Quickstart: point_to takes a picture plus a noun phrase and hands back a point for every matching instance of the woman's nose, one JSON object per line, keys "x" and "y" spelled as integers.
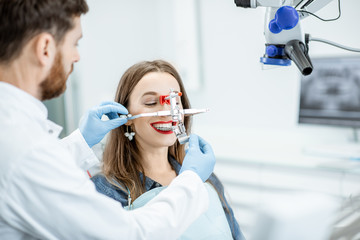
{"x": 165, "y": 106}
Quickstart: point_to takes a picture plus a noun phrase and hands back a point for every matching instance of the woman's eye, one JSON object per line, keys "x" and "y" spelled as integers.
{"x": 150, "y": 103}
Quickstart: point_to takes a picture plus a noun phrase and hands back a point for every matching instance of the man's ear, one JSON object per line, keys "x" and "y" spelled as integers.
{"x": 45, "y": 49}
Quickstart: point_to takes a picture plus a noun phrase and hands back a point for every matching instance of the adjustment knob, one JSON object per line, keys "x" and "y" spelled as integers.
{"x": 286, "y": 18}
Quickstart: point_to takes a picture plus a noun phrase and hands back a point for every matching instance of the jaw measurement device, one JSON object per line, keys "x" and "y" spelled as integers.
{"x": 176, "y": 114}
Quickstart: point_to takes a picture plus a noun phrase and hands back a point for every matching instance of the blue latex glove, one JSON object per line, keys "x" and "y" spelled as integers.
{"x": 199, "y": 158}
{"x": 94, "y": 129}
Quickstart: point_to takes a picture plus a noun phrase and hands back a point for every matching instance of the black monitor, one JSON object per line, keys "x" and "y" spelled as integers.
{"x": 331, "y": 94}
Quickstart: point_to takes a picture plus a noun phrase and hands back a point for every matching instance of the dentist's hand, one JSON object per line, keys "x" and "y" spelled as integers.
{"x": 94, "y": 129}
{"x": 199, "y": 158}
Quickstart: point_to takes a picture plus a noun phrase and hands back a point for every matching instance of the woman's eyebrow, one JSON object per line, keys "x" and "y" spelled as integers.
{"x": 149, "y": 93}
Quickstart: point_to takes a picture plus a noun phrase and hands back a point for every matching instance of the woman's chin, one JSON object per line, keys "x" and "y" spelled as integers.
{"x": 165, "y": 141}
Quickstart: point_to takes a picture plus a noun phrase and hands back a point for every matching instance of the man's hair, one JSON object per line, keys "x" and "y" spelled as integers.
{"x": 21, "y": 20}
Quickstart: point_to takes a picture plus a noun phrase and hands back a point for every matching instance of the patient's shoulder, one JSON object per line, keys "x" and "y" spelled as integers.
{"x": 217, "y": 183}
{"x": 100, "y": 180}
{"x": 105, "y": 187}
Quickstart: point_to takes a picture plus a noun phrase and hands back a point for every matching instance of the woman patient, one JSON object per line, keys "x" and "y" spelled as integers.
{"x": 144, "y": 156}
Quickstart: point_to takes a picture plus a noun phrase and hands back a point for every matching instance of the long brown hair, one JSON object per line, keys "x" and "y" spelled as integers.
{"x": 121, "y": 159}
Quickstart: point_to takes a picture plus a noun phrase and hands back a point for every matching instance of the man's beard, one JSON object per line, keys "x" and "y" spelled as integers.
{"x": 55, "y": 83}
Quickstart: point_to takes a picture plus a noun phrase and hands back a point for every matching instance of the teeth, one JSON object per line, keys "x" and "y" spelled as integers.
{"x": 163, "y": 126}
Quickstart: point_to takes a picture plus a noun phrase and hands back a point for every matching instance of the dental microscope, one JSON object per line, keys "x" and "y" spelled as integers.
{"x": 285, "y": 41}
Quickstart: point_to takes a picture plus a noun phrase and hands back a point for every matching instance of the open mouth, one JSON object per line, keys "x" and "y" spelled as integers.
{"x": 163, "y": 127}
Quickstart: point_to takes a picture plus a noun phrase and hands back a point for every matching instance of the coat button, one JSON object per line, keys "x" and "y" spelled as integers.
{"x": 51, "y": 131}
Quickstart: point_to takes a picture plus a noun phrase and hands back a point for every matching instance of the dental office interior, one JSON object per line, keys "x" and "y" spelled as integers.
{"x": 285, "y": 178}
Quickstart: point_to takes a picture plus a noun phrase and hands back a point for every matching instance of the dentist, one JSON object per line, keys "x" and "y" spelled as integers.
{"x": 44, "y": 191}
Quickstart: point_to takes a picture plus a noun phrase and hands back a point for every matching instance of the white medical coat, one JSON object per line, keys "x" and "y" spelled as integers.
{"x": 44, "y": 193}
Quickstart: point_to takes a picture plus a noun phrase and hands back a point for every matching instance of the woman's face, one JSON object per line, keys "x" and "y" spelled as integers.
{"x": 152, "y": 131}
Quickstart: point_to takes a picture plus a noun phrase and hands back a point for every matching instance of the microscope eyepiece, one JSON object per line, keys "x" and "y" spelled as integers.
{"x": 243, "y": 3}
{"x": 298, "y": 53}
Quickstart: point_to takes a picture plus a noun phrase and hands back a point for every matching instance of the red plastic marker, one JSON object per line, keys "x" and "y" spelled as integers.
{"x": 163, "y": 100}
{"x": 167, "y": 101}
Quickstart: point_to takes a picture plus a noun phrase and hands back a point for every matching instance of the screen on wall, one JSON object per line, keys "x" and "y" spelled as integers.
{"x": 331, "y": 94}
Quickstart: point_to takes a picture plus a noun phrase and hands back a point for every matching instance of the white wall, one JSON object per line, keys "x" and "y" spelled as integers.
{"x": 260, "y": 107}
{"x": 257, "y": 106}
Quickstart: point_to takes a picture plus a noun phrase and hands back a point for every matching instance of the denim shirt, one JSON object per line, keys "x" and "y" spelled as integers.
{"x": 104, "y": 187}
